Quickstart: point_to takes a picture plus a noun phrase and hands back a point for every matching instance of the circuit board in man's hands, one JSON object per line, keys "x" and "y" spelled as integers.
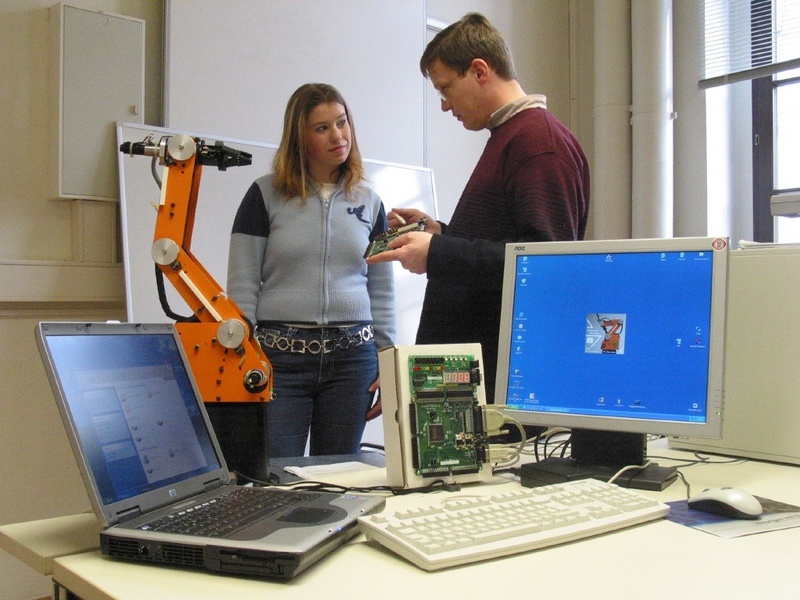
{"x": 381, "y": 242}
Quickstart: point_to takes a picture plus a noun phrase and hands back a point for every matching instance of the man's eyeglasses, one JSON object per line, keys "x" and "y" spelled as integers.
{"x": 443, "y": 90}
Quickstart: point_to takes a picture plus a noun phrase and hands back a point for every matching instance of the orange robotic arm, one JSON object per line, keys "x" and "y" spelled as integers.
{"x": 226, "y": 358}
{"x": 612, "y": 329}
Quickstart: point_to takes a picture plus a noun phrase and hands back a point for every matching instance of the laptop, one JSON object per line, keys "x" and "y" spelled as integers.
{"x": 150, "y": 460}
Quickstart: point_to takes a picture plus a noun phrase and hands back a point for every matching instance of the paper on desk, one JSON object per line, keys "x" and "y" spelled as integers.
{"x": 349, "y": 473}
{"x": 776, "y": 516}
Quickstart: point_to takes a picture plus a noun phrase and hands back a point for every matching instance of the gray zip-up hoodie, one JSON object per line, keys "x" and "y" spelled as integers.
{"x": 296, "y": 262}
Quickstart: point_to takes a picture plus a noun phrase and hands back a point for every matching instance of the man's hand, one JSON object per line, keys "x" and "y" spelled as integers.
{"x": 397, "y": 217}
{"x": 410, "y": 250}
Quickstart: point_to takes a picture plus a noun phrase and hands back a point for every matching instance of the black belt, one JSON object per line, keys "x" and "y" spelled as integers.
{"x": 350, "y": 339}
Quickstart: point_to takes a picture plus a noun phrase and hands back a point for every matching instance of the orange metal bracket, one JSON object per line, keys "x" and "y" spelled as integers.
{"x": 226, "y": 358}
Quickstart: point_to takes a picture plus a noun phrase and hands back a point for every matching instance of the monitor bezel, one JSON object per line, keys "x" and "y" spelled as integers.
{"x": 712, "y": 427}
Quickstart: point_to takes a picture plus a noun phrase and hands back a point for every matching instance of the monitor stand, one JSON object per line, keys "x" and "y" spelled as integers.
{"x": 600, "y": 455}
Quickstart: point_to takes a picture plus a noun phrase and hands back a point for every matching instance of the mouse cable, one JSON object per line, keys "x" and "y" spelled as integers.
{"x": 686, "y": 483}
{"x": 616, "y": 475}
{"x": 644, "y": 466}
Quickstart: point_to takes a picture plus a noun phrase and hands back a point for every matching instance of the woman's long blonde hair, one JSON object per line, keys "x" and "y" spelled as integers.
{"x": 290, "y": 171}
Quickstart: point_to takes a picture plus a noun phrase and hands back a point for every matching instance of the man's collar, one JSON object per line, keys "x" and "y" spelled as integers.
{"x": 504, "y": 113}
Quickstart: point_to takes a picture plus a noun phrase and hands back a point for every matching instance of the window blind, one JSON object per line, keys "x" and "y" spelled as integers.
{"x": 746, "y": 39}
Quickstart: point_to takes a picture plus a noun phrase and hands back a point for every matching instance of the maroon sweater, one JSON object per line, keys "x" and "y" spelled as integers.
{"x": 531, "y": 184}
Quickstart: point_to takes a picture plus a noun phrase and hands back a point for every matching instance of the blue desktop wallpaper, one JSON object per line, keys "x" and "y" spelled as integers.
{"x": 623, "y": 334}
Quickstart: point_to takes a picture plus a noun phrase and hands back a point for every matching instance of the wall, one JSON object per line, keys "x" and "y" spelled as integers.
{"x": 56, "y": 263}
{"x": 46, "y": 242}
{"x": 27, "y": 209}
{"x": 255, "y": 59}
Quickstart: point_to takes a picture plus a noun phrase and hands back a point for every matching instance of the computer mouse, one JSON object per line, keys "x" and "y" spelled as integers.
{"x": 727, "y": 502}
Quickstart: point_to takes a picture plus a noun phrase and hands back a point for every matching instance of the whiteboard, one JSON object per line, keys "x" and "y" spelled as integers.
{"x": 218, "y": 200}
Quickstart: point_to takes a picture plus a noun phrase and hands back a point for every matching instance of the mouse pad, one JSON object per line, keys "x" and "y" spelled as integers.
{"x": 777, "y": 515}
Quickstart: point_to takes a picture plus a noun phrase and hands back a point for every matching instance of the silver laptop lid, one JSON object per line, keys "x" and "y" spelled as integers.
{"x": 133, "y": 415}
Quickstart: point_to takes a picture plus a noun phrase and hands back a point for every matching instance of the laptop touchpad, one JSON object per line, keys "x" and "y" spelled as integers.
{"x": 306, "y": 515}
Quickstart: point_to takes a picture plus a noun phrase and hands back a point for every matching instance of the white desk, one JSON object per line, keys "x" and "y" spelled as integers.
{"x": 39, "y": 543}
{"x": 656, "y": 560}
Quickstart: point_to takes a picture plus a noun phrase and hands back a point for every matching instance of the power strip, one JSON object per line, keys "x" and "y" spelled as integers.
{"x": 433, "y": 414}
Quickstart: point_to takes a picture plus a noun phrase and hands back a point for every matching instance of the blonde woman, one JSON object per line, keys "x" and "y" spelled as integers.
{"x": 296, "y": 269}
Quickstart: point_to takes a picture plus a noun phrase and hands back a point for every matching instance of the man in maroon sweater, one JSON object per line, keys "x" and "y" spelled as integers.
{"x": 530, "y": 184}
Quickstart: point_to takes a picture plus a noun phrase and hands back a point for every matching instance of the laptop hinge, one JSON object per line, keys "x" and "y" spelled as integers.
{"x": 212, "y": 484}
{"x": 129, "y": 514}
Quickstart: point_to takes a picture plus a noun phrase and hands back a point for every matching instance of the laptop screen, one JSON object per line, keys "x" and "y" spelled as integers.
{"x": 134, "y": 410}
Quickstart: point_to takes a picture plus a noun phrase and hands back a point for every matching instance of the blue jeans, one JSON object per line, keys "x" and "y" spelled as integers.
{"x": 323, "y": 393}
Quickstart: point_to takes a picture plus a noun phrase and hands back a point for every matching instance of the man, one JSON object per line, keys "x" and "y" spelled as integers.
{"x": 530, "y": 184}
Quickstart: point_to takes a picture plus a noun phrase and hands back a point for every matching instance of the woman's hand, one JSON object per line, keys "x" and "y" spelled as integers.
{"x": 375, "y": 410}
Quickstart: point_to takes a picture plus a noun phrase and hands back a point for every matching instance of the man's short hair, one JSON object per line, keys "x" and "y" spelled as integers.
{"x": 457, "y": 45}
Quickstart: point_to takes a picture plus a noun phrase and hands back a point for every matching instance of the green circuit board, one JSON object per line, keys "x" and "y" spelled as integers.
{"x": 381, "y": 242}
{"x": 445, "y": 416}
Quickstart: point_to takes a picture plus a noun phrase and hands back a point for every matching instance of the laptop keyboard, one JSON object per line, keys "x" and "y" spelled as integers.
{"x": 229, "y": 513}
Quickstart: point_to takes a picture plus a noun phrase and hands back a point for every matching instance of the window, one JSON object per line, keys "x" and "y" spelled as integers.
{"x": 759, "y": 40}
{"x": 786, "y": 148}
{"x": 786, "y": 103}
{"x": 776, "y": 149}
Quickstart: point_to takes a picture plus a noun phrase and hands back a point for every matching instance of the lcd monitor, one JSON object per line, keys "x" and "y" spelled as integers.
{"x": 613, "y": 340}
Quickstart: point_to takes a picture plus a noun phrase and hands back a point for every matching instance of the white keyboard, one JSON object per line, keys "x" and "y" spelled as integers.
{"x": 465, "y": 528}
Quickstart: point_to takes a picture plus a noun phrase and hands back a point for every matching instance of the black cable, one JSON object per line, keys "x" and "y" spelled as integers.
{"x": 565, "y": 445}
{"x": 438, "y": 485}
{"x": 513, "y": 470}
{"x": 700, "y": 460}
{"x": 162, "y": 298}
{"x": 707, "y": 460}
{"x": 273, "y": 479}
{"x": 372, "y": 446}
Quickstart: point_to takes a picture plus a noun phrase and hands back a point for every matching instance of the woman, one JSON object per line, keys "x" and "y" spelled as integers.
{"x": 296, "y": 269}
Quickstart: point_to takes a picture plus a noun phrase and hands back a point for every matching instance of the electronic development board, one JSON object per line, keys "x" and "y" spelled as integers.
{"x": 381, "y": 242}
{"x": 433, "y": 421}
